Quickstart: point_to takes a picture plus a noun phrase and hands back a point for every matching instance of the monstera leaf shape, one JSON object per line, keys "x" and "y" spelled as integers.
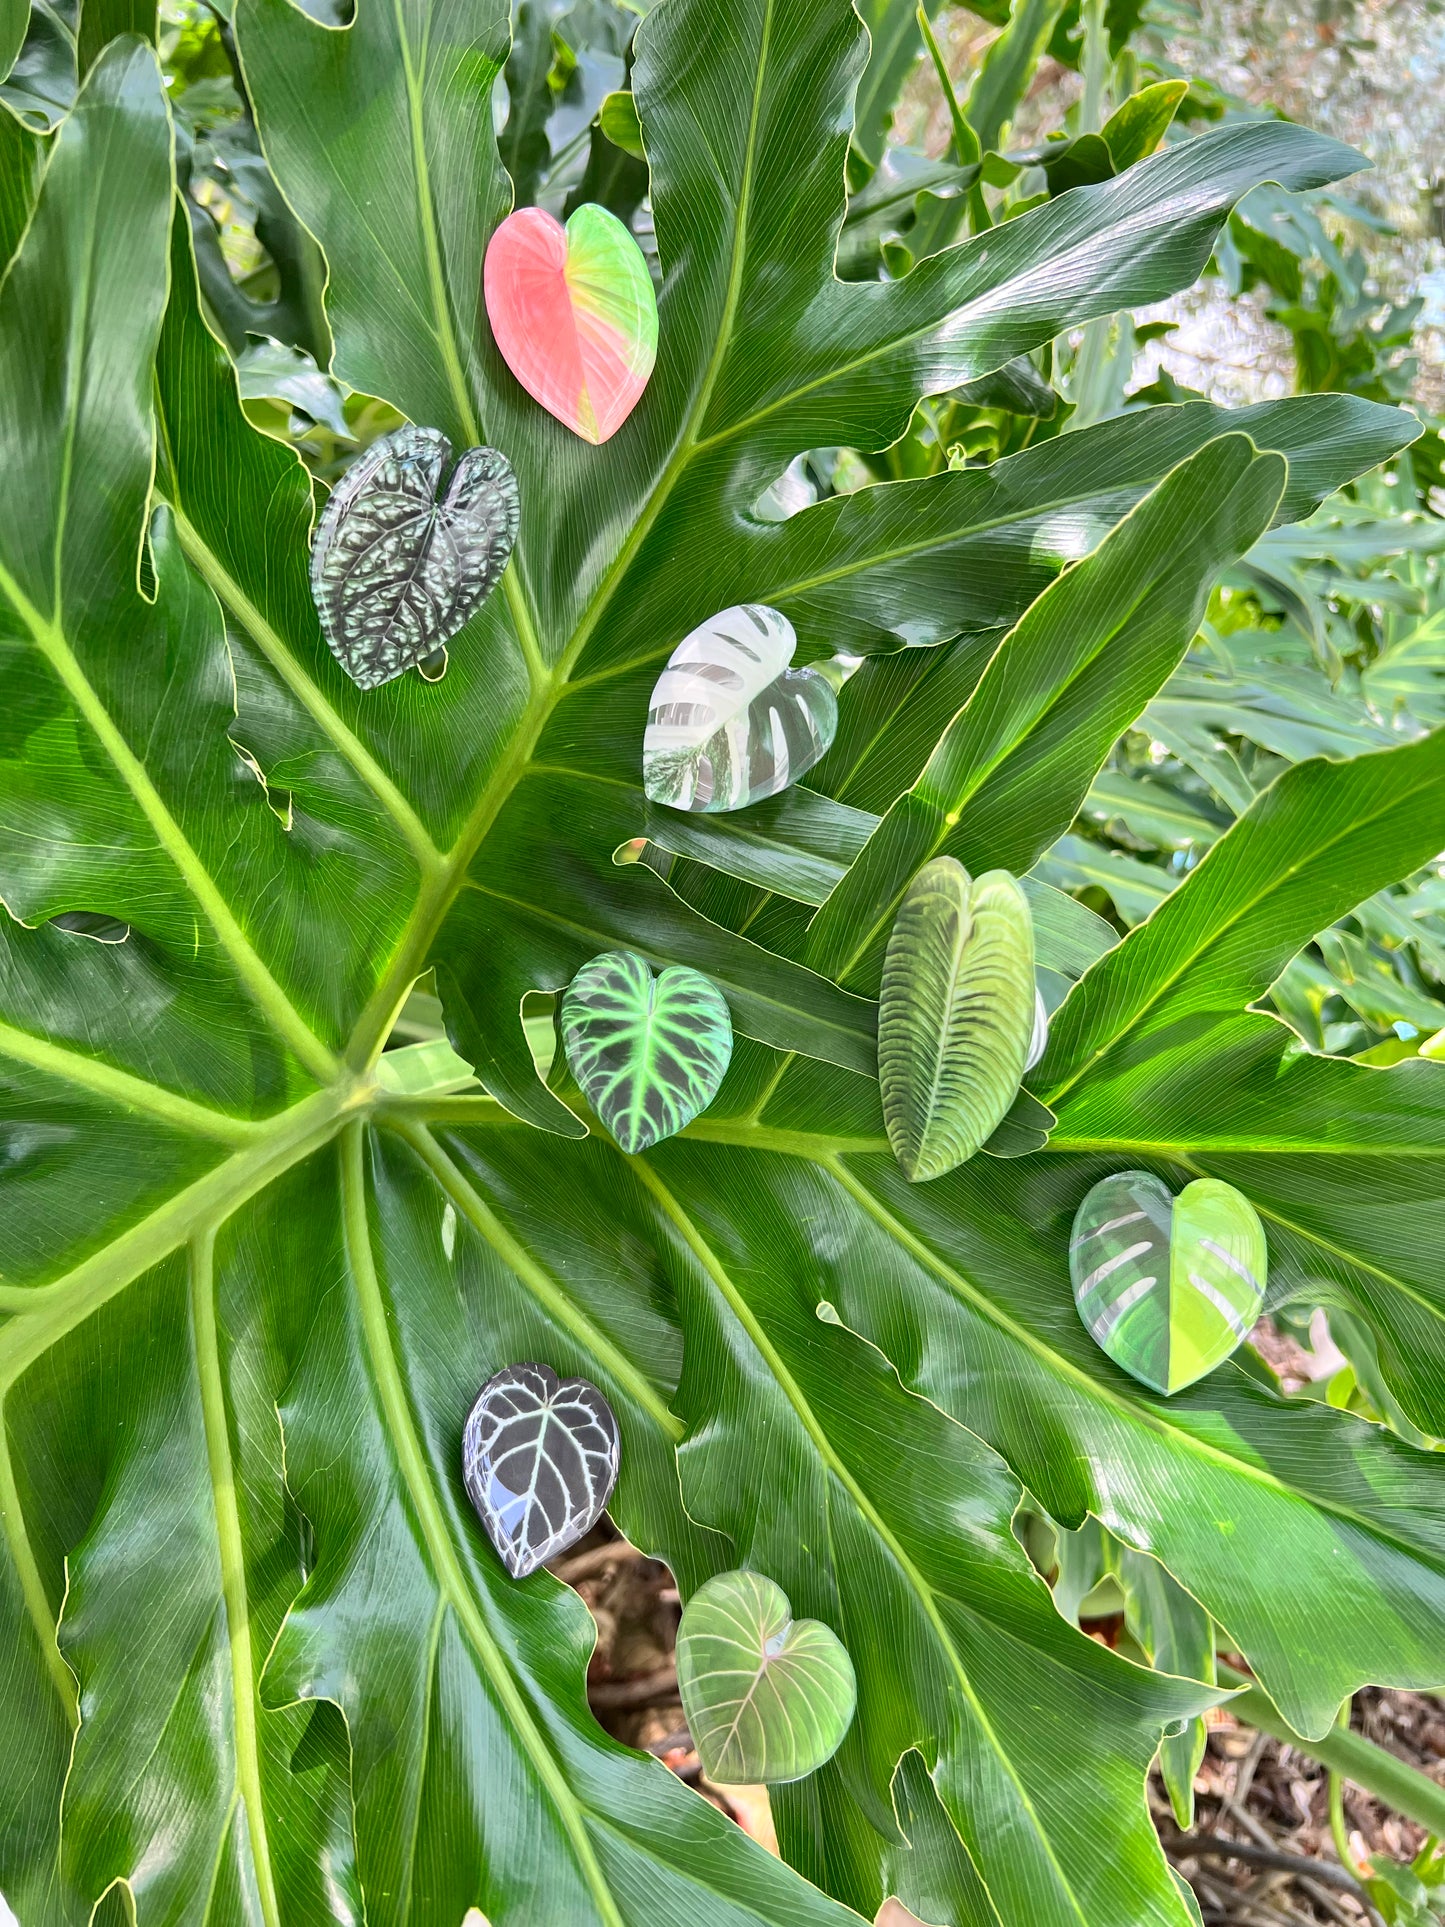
{"x": 649, "y": 1052}
{"x": 395, "y": 571}
{"x": 767, "y": 1696}
{"x": 730, "y": 722}
{"x": 1168, "y": 1287}
{"x": 573, "y": 312}
{"x": 539, "y": 1459}
{"x": 958, "y": 1015}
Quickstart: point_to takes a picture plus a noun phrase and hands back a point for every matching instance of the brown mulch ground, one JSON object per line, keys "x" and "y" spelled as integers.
{"x": 1250, "y": 1789}
{"x": 1267, "y": 1795}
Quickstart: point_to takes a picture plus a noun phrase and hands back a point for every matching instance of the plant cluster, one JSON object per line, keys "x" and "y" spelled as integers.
{"x": 294, "y": 1152}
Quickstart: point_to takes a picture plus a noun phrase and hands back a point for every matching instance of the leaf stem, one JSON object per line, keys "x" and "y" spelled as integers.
{"x": 965, "y": 140}
{"x": 45, "y": 1313}
{"x": 1392, "y": 1781}
{"x": 1339, "y": 1827}
{"x": 231, "y": 1550}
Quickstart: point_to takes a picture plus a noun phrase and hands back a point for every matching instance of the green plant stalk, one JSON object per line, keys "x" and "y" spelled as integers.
{"x": 1395, "y": 1782}
{"x": 1339, "y": 1827}
{"x": 965, "y": 141}
{"x": 1093, "y": 354}
{"x": 1095, "y": 67}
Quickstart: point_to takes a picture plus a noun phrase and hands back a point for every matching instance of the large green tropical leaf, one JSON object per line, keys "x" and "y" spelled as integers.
{"x": 257, "y": 1660}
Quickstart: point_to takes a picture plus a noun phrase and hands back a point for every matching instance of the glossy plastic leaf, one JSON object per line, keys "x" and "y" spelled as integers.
{"x": 539, "y": 1458}
{"x": 730, "y": 721}
{"x": 957, "y": 1014}
{"x": 1167, "y": 1286}
{"x": 767, "y": 1697}
{"x": 408, "y": 548}
{"x": 573, "y": 312}
{"x": 649, "y": 1052}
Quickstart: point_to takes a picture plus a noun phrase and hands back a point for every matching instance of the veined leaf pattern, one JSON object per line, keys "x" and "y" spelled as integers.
{"x": 398, "y": 569}
{"x": 539, "y": 1457}
{"x": 250, "y": 1283}
{"x": 958, "y": 1016}
{"x": 767, "y": 1696}
{"x": 649, "y": 1052}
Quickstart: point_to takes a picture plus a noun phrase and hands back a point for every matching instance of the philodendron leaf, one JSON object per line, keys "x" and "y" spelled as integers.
{"x": 649, "y": 1052}
{"x": 258, "y": 1660}
{"x": 731, "y": 722}
{"x": 1168, "y": 1287}
{"x": 398, "y": 566}
{"x": 767, "y": 1696}
{"x": 958, "y": 1014}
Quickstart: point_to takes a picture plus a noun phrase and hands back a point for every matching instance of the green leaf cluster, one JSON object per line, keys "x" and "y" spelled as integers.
{"x": 257, "y": 1660}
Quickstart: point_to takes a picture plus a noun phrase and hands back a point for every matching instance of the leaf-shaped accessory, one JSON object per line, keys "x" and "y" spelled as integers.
{"x": 957, "y": 1015}
{"x": 395, "y": 571}
{"x": 539, "y": 1460}
{"x": 730, "y": 722}
{"x": 1168, "y": 1287}
{"x": 649, "y": 1052}
{"x": 767, "y": 1696}
{"x": 574, "y": 314}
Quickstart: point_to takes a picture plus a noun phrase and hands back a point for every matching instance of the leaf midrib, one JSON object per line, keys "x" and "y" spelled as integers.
{"x": 823, "y": 1445}
{"x": 1095, "y": 1387}
{"x": 420, "y": 1486}
{"x": 230, "y": 1549}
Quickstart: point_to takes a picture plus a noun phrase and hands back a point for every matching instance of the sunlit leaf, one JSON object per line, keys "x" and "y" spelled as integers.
{"x": 1168, "y": 1287}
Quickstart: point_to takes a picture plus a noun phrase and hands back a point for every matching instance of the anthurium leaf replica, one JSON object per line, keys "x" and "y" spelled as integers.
{"x": 539, "y": 1458}
{"x": 731, "y": 722}
{"x": 649, "y": 1052}
{"x": 260, "y": 1658}
{"x": 958, "y": 1015}
{"x": 397, "y": 572}
{"x": 767, "y": 1696}
{"x": 573, "y": 312}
